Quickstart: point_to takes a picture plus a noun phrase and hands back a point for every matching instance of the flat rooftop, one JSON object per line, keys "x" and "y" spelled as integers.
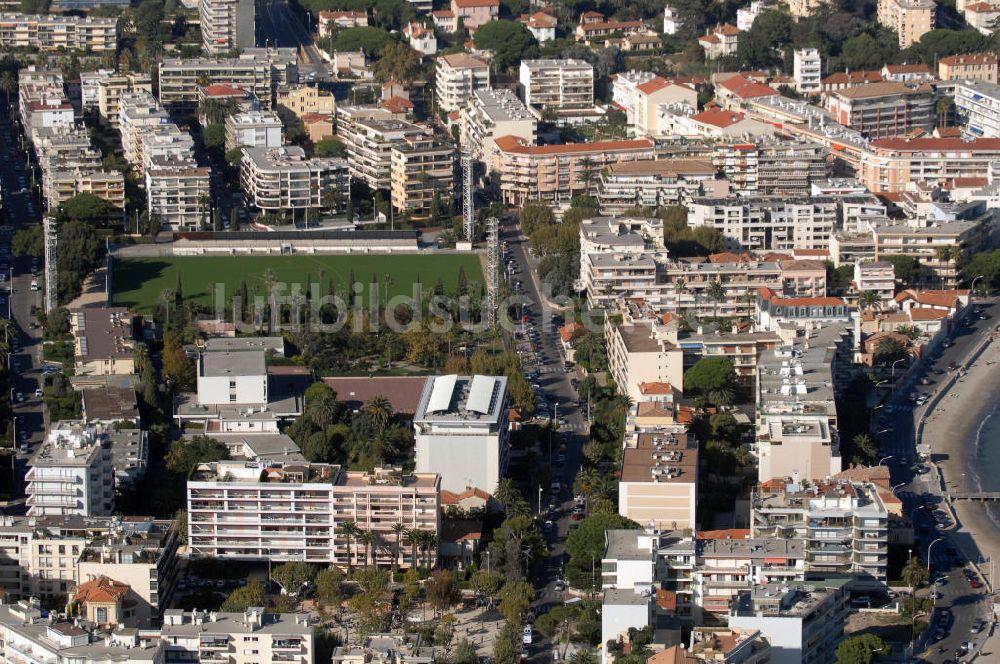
{"x": 763, "y": 547}
{"x": 216, "y": 344}
{"x": 501, "y": 105}
{"x": 235, "y": 363}
{"x": 452, "y": 399}
{"x": 667, "y": 456}
{"x": 103, "y": 333}
{"x": 639, "y": 338}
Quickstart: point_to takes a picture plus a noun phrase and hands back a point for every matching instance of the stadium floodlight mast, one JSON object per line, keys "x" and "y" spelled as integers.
{"x": 51, "y": 242}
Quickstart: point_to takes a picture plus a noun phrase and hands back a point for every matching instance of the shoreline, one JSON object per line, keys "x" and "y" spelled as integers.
{"x": 953, "y": 429}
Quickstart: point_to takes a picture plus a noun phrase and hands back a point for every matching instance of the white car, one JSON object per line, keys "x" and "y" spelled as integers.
{"x": 34, "y": 285}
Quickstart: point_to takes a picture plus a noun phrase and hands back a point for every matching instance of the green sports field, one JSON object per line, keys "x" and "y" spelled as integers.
{"x": 138, "y": 283}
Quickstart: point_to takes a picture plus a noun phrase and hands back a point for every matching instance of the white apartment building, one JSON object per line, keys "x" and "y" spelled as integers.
{"x": 295, "y": 511}
{"x": 72, "y": 473}
{"x": 659, "y": 478}
{"x": 422, "y": 168}
{"x": 803, "y": 622}
{"x": 178, "y": 191}
{"x": 745, "y": 16}
{"x": 89, "y": 85}
{"x": 844, "y": 525}
{"x": 253, "y": 129}
{"x": 910, "y": 19}
{"x": 808, "y": 71}
{"x": 258, "y": 71}
{"x": 166, "y": 141}
{"x": 38, "y": 555}
{"x": 977, "y": 105}
{"x": 652, "y": 184}
{"x": 644, "y": 97}
{"x": 138, "y": 113}
{"x": 495, "y": 113}
{"x": 369, "y": 148}
{"x": 557, "y": 84}
{"x": 461, "y": 431}
{"x": 238, "y": 377}
{"x": 457, "y": 76}
{"x": 227, "y": 25}
{"x": 637, "y": 354}
{"x": 54, "y": 32}
{"x": 876, "y": 276}
{"x": 282, "y": 178}
{"x": 250, "y": 637}
{"x": 768, "y": 223}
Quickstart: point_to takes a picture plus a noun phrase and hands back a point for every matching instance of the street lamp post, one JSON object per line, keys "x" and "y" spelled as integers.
{"x": 884, "y": 459}
{"x": 929, "y": 547}
{"x": 893, "y": 370}
{"x": 893, "y": 489}
{"x": 972, "y": 287}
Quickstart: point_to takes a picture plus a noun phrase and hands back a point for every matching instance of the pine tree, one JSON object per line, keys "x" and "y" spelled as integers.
{"x": 178, "y": 291}
{"x": 436, "y": 212}
{"x": 234, "y": 220}
{"x": 349, "y": 210}
{"x": 216, "y": 220}
{"x": 244, "y": 299}
{"x": 463, "y": 283}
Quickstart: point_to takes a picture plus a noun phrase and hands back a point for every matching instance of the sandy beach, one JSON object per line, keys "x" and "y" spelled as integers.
{"x": 950, "y": 429}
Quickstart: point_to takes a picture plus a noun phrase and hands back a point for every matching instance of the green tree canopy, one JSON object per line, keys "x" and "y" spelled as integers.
{"x": 29, "y": 241}
{"x": 585, "y": 545}
{"x": 90, "y": 209}
{"x": 708, "y": 374}
{"x": 243, "y": 598}
{"x": 861, "y": 649}
{"x": 330, "y": 147}
{"x": 908, "y": 269}
{"x": 510, "y": 42}
{"x": 368, "y": 39}
{"x": 293, "y": 575}
{"x": 189, "y": 452}
{"x": 397, "y": 62}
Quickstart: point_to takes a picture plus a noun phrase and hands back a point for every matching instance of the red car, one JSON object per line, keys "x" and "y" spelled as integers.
{"x": 975, "y": 583}
{"x": 577, "y": 516}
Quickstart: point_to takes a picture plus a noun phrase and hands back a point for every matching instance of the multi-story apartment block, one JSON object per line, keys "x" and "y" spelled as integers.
{"x": 240, "y": 638}
{"x": 461, "y": 431}
{"x": 876, "y": 276}
{"x": 63, "y": 184}
{"x": 238, "y": 377}
{"x": 457, "y": 76}
{"x": 369, "y": 148}
{"x": 284, "y": 179}
{"x": 659, "y": 478}
{"x": 884, "y": 110}
{"x": 258, "y": 71}
{"x": 808, "y": 71}
{"x": 924, "y": 238}
{"x": 910, "y": 19}
{"x": 108, "y": 91}
{"x": 89, "y": 81}
{"x": 725, "y": 567}
{"x": 254, "y": 129}
{"x": 844, "y": 525}
{"x": 474, "y": 13}
{"x": 772, "y": 166}
{"x": 890, "y": 165}
{"x": 178, "y": 191}
{"x": 643, "y": 96}
{"x": 385, "y": 649}
{"x": 556, "y": 173}
{"x": 39, "y": 554}
{"x": 422, "y": 167}
{"x": 52, "y": 32}
{"x": 768, "y": 223}
{"x": 166, "y": 142}
{"x": 296, "y": 101}
{"x": 227, "y": 25}
{"x": 803, "y": 622}
{"x": 651, "y": 184}
{"x": 492, "y": 114}
{"x": 968, "y": 67}
{"x": 138, "y": 113}
{"x": 977, "y": 107}
{"x": 142, "y": 555}
{"x": 72, "y": 473}
{"x": 103, "y": 341}
{"x": 256, "y": 511}
{"x": 557, "y": 84}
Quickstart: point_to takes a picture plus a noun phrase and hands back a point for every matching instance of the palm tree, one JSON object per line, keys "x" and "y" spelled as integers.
{"x": 865, "y": 447}
{"x": 398, "y": 530}
{"x": 367, "y": 538}
{"x": 413, "y": 536}
{"x": 717, "y": 293}
{"x": 869, "y": 300}
{"x": 914, "y": 573}
{"x": 8, "y": 85}
{"x": 680, "y": 287}
{"x": 140, "y": 355}
{"x": 348, "y": 529}
{"x": 428, "y": 540}
{"x": 379, "y": 412}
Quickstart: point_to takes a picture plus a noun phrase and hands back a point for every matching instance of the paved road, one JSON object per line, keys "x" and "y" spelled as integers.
{"x": 279, "y": 25}
{"x": 557, "y": 389}
{"x": 920, "y": 492}
{"x": 21, "y": 209}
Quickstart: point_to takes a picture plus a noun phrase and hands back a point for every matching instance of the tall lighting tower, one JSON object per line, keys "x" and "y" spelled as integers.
{"x": 468, "y": 207}
{"x": 51, "y": 242}
{"x": 492, "y": 269}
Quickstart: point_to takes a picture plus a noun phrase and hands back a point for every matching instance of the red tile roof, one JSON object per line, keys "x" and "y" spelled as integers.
{"x": 653, "y": 85}
{"x": 666, "y": 600}
{"x": 745, "y": 88}
{"x": 718, "y": 118}
{"x": 101, "y": 590}
{"x": 655, "y": 388}
{"x": 223, "y": 90}
{"x": 844, "y": 77}
{"x": 923, "y": 313}
{"x": 969, "y": 59}
{"x": 907, "y": 69}
{"x": 452, "y": 498}
{"x": 517, "y": 145}
{"x": 934, "y": 298}
{"x": 982, "y": 8}
{"x": 396, "y": 104}
{"x": 566, "y": 331}
{"x": 464, "y": 4}
{"x": 711, "y": 39}
{"x": 611, "y": 26}
{"x": 771, "y": 296}
{"x": 728, "y": 533}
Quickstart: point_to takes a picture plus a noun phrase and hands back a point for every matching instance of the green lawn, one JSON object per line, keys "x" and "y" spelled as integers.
{"x": 139, "y": 282}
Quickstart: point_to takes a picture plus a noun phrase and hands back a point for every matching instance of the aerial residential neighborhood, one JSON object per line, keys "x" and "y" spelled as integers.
{"x": 497, "y": 332}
